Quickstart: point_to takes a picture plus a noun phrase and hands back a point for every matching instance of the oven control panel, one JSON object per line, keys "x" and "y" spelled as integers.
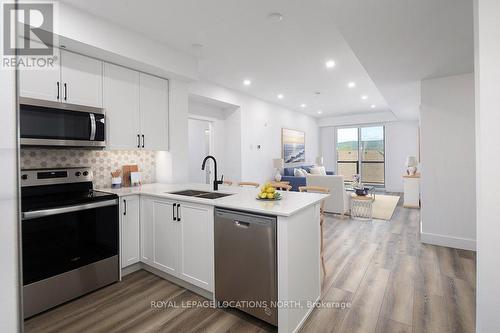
{"x": 35, "y": 177}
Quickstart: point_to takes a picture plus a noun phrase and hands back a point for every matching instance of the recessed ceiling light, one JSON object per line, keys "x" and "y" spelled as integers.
{"x": 330, "y": 64}
{"x": 373, "y": 106}
{"x": 247, "y": 82}
{"x": 280, "y": 96}
{"x": 364, "y": 97}
{"x": 351, "y": 84}
{"x": 320, "y": 112}
{"x": 303, "y": 105}
{"x": 275, "y": 17}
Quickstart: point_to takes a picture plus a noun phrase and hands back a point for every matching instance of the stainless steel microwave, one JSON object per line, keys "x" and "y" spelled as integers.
{"x": 47, "y": 123}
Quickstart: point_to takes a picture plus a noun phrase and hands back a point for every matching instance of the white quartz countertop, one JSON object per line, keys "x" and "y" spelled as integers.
{"x": 243, "y": 198}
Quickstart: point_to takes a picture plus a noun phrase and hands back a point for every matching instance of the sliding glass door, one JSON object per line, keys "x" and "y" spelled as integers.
{"x": 347, "y": 152}
{"x": 361, "y": 150}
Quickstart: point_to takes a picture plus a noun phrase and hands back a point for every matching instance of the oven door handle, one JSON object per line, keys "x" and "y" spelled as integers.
{"x": 68, "y": 209}
{"x": 92, "y": 127}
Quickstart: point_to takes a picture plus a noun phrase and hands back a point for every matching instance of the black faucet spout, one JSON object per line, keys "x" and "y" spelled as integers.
{"x": 216, "y": 182}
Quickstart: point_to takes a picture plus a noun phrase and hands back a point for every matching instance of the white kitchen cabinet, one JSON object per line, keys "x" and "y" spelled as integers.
{"x": 74, "y": 79}
{"x": 154, "y": 112}
{"x": 121, "y": 103}
{"x": 196, "y": 245}
{"x": 146, "y": 234}
{"x": 81, "y": 79}
{"x": 177, "y": 238}
{"x": 42, "y": 83}
{"x": 129, "y": 230}
{"x": 165, "y": 236}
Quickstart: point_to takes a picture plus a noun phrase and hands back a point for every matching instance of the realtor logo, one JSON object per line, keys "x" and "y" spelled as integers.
{"x": 35, "y": 22}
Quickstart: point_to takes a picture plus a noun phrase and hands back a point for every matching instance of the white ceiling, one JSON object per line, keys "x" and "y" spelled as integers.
{"x": 240, "y": 42}
{"x": 399, "y": 42}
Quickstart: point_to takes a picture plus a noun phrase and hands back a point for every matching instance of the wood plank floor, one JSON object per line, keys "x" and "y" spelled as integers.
{"x": 380, "y": 276}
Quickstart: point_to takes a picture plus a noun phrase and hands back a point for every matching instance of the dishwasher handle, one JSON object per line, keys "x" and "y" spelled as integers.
{"x": 241, "y": 224}
{"x": 244, "y": 217}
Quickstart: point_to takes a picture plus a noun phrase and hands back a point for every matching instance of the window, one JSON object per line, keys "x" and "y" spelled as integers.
{"x": 361, "y": 150}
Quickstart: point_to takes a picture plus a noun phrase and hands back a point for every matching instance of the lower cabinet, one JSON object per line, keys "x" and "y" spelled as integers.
{"x": 177, "y": 238}
{"x": 129, "y": 230}
{"x": 196, "y": 244}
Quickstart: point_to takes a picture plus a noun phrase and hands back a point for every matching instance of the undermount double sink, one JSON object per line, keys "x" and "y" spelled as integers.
{"x": 201, "y": 194}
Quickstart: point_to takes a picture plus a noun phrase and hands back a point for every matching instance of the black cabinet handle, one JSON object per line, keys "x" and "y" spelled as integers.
{"x": 58, "y": 90}
{"x": 138, "y": 141}
{"x": 143, "y": 141}
{"x": 124, "y": 207}
{"x": 173, "y": 212}
{"x": 178, "y": 215}
{"x": 65, "y": 92}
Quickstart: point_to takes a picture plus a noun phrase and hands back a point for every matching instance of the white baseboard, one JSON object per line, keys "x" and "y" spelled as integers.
{"x": 449, "y": 241}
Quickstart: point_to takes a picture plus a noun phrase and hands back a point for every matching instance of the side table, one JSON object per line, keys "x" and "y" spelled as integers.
{"x": 362, "y": 206}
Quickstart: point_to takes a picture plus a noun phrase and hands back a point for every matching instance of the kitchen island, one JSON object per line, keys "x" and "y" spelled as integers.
{"x": 177, "y": 240}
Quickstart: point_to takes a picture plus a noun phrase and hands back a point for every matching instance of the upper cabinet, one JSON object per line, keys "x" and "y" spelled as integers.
{"x": 121, "y": 102}
{"x": 136, "y": 106}
{"x": 42, "y": 83}
{"x": 74, "y": 79}
{"x": 81, "y": 79}
{"x": 154, "y": 112}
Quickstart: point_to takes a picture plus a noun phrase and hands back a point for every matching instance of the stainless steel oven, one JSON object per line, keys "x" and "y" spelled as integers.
{"x": 70, "y": 237}
{"x": 46, "y": 123}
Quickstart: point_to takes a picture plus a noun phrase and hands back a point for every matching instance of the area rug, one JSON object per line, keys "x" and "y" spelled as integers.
{"x": 384, "y": 206}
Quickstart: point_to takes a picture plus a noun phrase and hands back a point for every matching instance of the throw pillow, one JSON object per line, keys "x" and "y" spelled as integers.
{"x": 303, "y": 172}
{"x": 319, "y": 170}
{"x": 297, "y": 172}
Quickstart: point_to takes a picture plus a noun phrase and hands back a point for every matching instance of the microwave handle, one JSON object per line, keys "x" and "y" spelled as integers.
{"x": 92, "y": 126}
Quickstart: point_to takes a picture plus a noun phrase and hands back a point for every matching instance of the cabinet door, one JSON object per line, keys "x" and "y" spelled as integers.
{"x": 42, "y": 83}
{"x": 165, "y": 236}
{"x": 81, "y": 79}
{"x": 121, "y": 104}
{"x": 146, "y": 224}
{"x": 196, "y": 245}
{"x": 154, "y": 112}
{"x": 130, "y": 218}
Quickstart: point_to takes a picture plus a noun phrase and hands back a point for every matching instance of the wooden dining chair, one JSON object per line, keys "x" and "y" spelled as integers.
{"x": 282, "y": 186}
{"x": 318, "y": 189}
{"x": 227, "y": 182}
{"x": 249, "y": 184}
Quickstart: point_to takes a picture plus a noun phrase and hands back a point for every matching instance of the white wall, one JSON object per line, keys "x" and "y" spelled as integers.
{"x": 261, "y": 124}
{"x": 401, "y": 140}
{"x": 487, "y": 66}
{"x": 327, "y": 147}
{"x": 217, "y": 116}
{"x": 200, "y": 134}
{"x": 9, "y": 278}
{"x": 178, "y": 131}
{"x": 362, "y": 118}
{"x": 172, "y": 166}
{"x": 226, "y": 136}
{"x": 448, "y": 162}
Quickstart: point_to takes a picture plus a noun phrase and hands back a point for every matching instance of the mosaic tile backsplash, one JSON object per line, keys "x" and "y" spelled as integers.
{"x": 102, "y": 162}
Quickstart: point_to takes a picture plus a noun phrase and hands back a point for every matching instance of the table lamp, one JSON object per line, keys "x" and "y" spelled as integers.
{"x": 411, "y": 165}
{"x": 278, "y": 164}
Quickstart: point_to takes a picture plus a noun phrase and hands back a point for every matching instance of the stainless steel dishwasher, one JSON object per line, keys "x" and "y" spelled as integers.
{"x": 246, "y": 263}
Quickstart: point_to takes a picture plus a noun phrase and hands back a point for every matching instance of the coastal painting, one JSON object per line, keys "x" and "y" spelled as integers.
{"x": 293, "y": 145}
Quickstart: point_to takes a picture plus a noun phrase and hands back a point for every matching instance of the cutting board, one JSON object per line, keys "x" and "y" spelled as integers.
{"x": 127, "y": 169}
